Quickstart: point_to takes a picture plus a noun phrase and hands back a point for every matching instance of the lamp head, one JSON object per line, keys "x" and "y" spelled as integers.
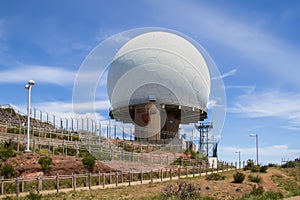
{"x": 252, "y": 135}
{"x": 31, "y": 82}
{"x": 27, "y": 87}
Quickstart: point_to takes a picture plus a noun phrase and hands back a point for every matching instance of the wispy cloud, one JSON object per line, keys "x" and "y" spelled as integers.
{"x": 248, "y": 39}
{"x": 41, "y": 74}
{"x": 230, "y": 73}
{"x": 274, "y": 103}
{"x": 64, "y": 109}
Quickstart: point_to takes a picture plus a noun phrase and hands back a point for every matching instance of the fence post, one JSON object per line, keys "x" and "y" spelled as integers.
{"x": 171, "y": 175}
{"x": 18, "y": 142}
{"x": 178, "y": 172}
{"x": 103, "y": 179}
{"x": 22, "y": 184}
{"x": 151, "y": 175}
{"x": 2, "y": 185}
{"x": 74, "y": 181}
{"x": 77, "y": 148}
{"x": 212, "y": 166}
{"x": 161, "y": 175}
{"x": 110, "y": 177}
{"x": 141, "y": 175}
{"x": 63, "y": 147}
{"x": 129, "y": 174}
{"x": 98, "y": 178}
{"x": 57, "y": 182}
{"x": 39, "y": 184}
{"x": 17, "y": 187}
{"x": 206, "y": 168}
{"x": 90, "y": 180}
{"x": 86, "y": 179}
{"x": 117, "y": 179}
{"x": 227, "y": 166}
{"x": 33, "y": 142}
{"x": 187, "y": 171}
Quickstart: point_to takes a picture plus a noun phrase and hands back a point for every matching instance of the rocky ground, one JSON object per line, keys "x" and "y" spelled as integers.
{"x": 27, "y": 165}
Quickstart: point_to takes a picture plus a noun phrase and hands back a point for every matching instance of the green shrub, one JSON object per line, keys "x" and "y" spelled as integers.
{"x": 249, "y": 165}
{"x": 215, "y": 177}
{"x": 272, "y": 165}
{"x": 264, "y": 168}
{"x": 290, "y": 164}
{"x": 45, "y": 163}
{"x": 6, "y": 152}
{"x": 255, "y": 168}
{"x": 7, "y": 171}
{"x": 44, "y": 151}
{"x": 89, "y": 162}
{"x": 257, "y": 190}
{"x": 238, "y": 177}
{"x": 254, "y": 179}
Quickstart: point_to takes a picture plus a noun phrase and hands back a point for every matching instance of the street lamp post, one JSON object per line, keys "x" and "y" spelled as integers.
{"x": 239, "y": 158}
{"x": 256, "y": 137}
{"x": 28, "y": 87}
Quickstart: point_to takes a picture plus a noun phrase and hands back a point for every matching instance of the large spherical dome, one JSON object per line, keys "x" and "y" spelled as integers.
{"x": 158, "y": 66}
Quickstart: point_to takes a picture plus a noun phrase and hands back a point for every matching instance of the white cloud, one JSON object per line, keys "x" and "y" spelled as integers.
{"x": 282, "y": 105}
{"x": 67, "y": 107}
{"x": 246, "y": 38}
{"x": 64, "y": 109}
{"x": 41, "y": 74}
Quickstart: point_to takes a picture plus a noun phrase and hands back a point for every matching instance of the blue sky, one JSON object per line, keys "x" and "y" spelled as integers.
{"x": 255, "y": 44}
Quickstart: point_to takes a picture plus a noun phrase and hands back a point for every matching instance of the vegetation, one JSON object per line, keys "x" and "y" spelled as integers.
{"x": 254, "y": 179}
{"x": 255, "y": 168}
{"x": 263, "y": 169}
{"x": 6, "y": 151}
{"x": 258, "y": 193}
{"x": 33, "y": 196}
{"x": 287, "y": 184}
{"x": 89, "y": 162}
{"x": 290, "y": 164}
{"x": 249, "y": 165}
{"x": 238, "y": 177}
{"x": 215, "y": 177}
{"x": 7, "y": 171}
{"x": 45, "y": 163}
{"x": 182, "y": 190}
{"x": 272, "y": 165}
{"x": 257, "y": 190}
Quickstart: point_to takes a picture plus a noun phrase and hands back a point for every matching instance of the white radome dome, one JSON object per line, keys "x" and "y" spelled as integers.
{"x": 161, "y": 65}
